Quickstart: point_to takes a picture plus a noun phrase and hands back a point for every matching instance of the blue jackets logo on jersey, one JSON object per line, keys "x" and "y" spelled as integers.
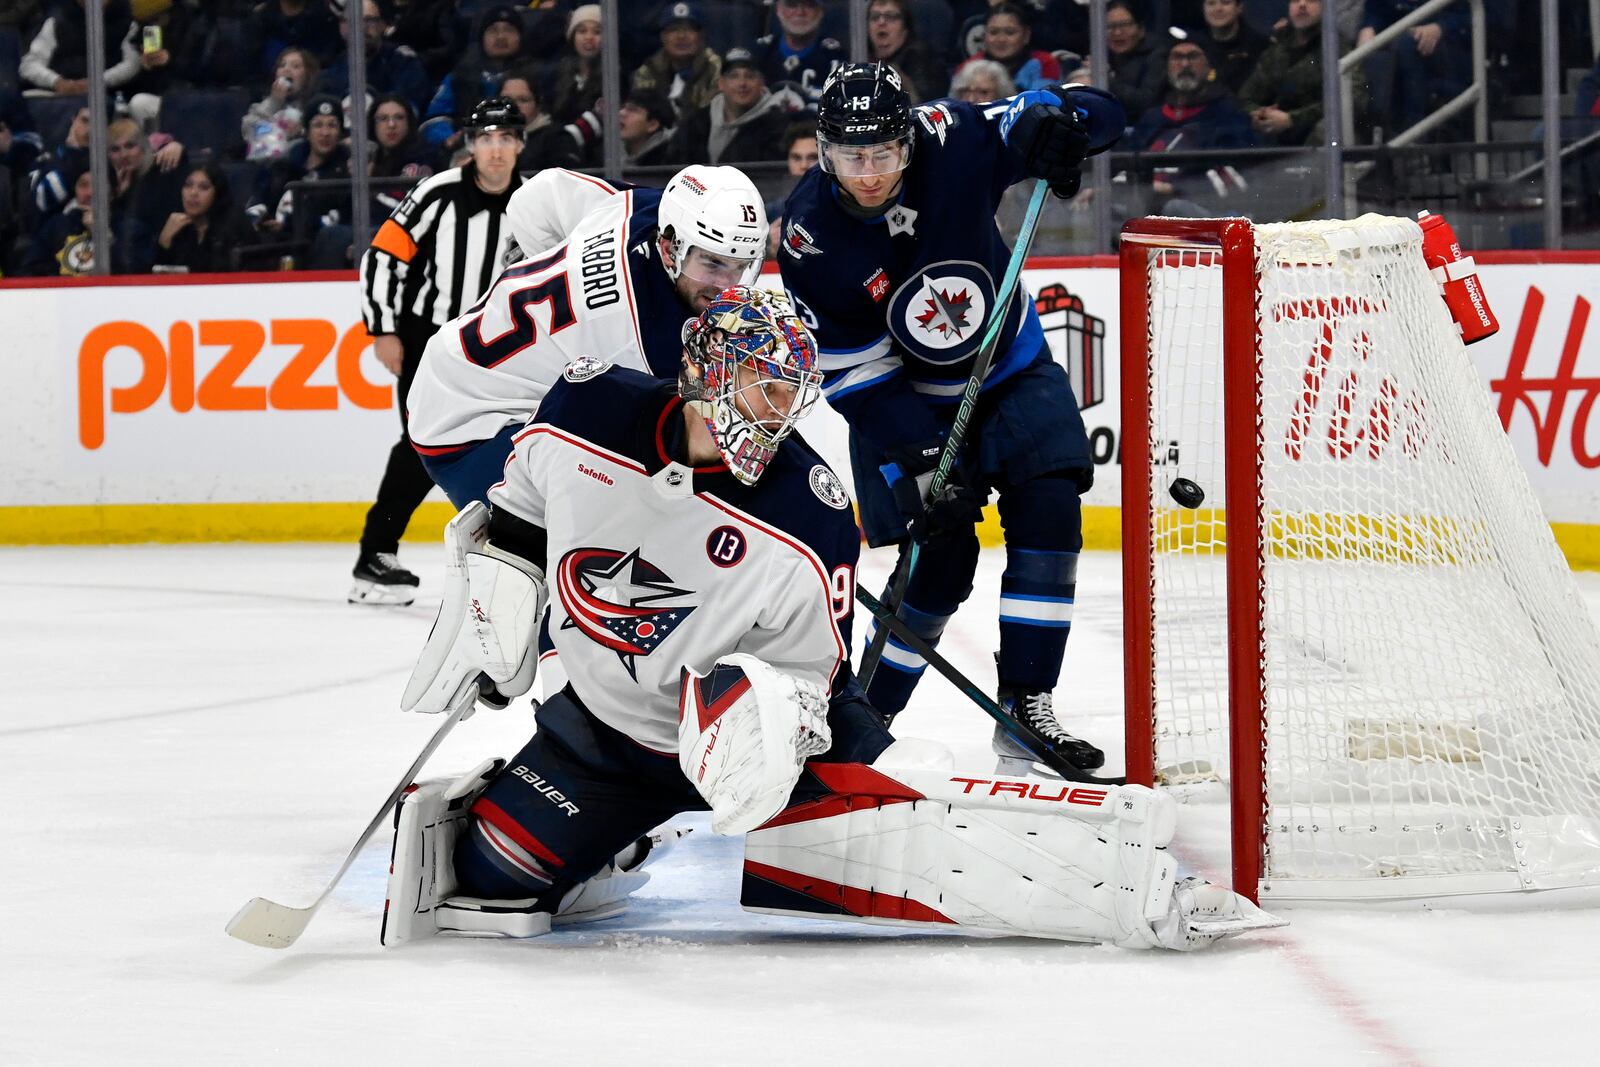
{"x": 613, "y": 599}
{"x": 939, "y": 314}
{"x": 585, "y": 367}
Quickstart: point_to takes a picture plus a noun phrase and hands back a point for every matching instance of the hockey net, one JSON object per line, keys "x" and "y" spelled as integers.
{"x": 1366, "y": 627}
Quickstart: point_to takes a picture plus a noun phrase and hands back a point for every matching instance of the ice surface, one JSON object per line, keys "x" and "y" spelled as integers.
{"x": 187, "y": 727}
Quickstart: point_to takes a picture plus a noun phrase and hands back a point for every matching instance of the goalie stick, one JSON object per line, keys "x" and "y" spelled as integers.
{"x": 272, "y": 925}
{"x": 958, "y": 428}
{"x": 1043, "y": 749}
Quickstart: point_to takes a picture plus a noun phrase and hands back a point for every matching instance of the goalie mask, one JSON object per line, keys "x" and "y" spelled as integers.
{"x": 756, "y": 375}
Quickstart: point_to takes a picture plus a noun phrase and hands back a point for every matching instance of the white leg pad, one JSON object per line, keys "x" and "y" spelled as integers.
{"x": 925, "y": 846}
{"x": 428, "y": 820}
{"x": 422, "y": 900}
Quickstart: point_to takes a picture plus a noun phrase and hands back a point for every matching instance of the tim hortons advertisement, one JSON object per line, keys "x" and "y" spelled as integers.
{"x": 263, "y": 391}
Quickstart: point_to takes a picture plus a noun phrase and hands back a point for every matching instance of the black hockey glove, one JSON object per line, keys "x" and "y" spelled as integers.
{"x": 1052, "y": 140}
{"x": 909, "y": 473}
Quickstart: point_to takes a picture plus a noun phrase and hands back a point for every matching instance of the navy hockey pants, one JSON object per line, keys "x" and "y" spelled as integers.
{"x": 465, "y": 474}
{"x": 1026, "y": 441}
{"x": 579, "y": 792}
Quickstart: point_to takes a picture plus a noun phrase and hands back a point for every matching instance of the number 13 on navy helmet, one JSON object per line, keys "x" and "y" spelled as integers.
{"x": 864, "y": 121}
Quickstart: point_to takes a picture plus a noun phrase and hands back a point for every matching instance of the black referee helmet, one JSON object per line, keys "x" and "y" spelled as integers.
{"x": 496, "y": 113}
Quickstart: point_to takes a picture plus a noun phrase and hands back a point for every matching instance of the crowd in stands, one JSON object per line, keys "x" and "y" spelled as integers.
{"x": 224, "y": 110}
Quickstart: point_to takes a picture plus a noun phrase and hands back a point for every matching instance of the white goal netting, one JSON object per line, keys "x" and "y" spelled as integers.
{"x": 1431, "y": 675}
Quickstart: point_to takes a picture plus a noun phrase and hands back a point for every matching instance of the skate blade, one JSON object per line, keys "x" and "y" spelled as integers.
{"x": 1022, "y": 767}
{"x": 365, "y": 592}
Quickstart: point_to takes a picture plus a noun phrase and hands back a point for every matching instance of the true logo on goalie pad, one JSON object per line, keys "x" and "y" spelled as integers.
{"x": 828, "y": 488}
{"x": 585, "y": 367}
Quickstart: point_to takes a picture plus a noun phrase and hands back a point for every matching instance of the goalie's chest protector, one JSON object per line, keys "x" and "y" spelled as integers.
{"x": 653, "y": 566}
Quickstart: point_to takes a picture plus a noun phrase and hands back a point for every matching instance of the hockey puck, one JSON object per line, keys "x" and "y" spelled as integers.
{"x": 1188, "y": 494}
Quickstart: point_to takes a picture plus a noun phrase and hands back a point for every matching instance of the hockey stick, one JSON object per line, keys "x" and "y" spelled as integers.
{"x": 958, "y": 429}
{"x": 1035, "y": 742}
{"x": 272, "y": 925}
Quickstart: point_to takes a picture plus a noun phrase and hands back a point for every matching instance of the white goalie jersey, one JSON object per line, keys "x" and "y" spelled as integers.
{"x": 654, "y": 566}
{"x": 585, "y": 293}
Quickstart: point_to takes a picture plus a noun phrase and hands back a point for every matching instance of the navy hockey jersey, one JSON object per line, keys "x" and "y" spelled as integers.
{"x": 899, "y": 303}
{"x": 654, "y": 565}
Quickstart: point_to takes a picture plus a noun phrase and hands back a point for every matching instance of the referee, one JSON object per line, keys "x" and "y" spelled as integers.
{"x": 440, "y": 250}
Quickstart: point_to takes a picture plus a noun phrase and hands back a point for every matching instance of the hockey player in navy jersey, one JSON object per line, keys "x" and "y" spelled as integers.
{"x": 891, "y": 254}
{"x": 698, "y": 560}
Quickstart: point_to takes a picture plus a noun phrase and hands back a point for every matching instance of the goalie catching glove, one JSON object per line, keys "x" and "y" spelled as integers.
{"x": 745, "y": 730}
{"x": 487, "y": 625}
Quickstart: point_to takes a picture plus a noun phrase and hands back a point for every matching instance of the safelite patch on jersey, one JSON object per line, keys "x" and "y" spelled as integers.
{"x": 828, "y": 488}
{"x": 585, "y": 367}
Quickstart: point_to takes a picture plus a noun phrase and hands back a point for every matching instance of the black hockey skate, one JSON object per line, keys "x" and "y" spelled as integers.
{"x": 379, "y": 579}
{"x": 1035, "y": 713}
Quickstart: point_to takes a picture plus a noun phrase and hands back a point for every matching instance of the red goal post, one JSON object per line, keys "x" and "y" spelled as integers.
{"x": 1230, "y": 244}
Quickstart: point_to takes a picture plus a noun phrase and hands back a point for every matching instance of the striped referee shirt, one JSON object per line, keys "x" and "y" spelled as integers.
{"x": 440, "y": 250}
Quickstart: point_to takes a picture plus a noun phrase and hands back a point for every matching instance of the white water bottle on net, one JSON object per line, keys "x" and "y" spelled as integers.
{"x": 1342, "y": 597}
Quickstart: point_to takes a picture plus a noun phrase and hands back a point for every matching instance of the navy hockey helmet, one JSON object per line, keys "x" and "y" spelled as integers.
{"x": 864, "y": 121}
{"x": 496, "y": 113}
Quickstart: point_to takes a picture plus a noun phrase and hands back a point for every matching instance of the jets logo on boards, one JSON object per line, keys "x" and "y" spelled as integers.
{"x": 797, "y": 241}
{"x": 828, "y": 488}
{"x": 937, "y": 119}
{"x": 614, "y": 599}
{"x": 939, "y": 314}
{"x": 585, "y": 367}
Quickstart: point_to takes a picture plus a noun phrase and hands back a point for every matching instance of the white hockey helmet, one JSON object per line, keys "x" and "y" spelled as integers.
{"x": 716, "y": 209}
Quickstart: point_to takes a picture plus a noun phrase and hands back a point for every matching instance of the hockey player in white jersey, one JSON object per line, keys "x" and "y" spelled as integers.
{"x": 698, "y": 561}
{"x": 611, "y": 273}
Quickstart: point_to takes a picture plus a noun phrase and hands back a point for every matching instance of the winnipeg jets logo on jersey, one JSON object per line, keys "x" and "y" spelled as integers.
{"x": 585, "y": 367}
{"x": 939, "y": 314}
{"x": 614, "y": 599}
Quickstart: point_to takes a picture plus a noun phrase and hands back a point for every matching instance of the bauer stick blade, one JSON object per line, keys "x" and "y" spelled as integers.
{"x": 272, "y": 925}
